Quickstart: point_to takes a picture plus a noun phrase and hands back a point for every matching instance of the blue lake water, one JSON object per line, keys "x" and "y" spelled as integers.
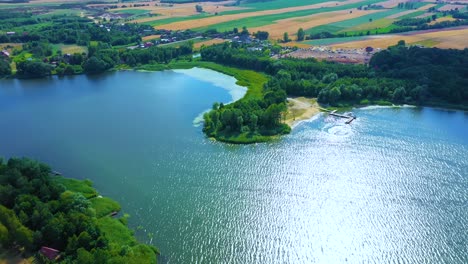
{"x": 392, "y": 187}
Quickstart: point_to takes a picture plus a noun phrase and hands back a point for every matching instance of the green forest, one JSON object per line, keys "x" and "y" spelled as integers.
{"x": 399, "y": 75}
{"x": 38, "y": 209}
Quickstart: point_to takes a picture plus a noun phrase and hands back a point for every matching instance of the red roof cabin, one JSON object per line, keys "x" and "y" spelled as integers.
{"x": 50, "y": 253}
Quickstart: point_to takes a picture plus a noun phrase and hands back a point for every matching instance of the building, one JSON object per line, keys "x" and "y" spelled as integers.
{"x": 50, "y": 253}
{"x": 5, "y": 53}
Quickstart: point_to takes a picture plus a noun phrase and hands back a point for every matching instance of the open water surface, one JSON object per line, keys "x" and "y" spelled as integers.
{"x": 392, "y": 187}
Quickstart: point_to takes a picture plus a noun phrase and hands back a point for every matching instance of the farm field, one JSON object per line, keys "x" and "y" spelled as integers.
{"x": 448, "y": 38}
{"x": 291, "y": 25}
{"x": 343, "y": 22}
{"x": 238, "y": 20}
{"x": 198, "y": 45}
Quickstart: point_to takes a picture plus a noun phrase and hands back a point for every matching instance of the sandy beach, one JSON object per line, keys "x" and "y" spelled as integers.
{"x": 299, "y": 109}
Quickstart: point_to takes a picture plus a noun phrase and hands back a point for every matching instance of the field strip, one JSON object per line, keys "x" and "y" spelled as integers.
{"x": 226, "y": 18}
{"x": 422, "y": 8}
{"x": 449, "y": 38}
{"x": 291, "y": 25}
{"x": 451, "y": 7}
{"x": 208, "y": 42}
{"x": 442, "y": 19}
{"x": 181, "y": 10}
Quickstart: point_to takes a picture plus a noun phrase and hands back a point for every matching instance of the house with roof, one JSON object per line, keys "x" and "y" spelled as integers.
{"x": 50, "y": 253}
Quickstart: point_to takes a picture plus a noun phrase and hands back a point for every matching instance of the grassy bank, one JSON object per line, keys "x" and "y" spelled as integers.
{"x": 115, "y": 230}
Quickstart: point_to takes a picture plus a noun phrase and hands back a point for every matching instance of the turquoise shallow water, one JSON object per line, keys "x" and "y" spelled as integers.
{"x": 392, "y": 187}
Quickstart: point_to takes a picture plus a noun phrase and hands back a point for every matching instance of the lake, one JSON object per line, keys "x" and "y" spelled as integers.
{"x": 392, "y": 187}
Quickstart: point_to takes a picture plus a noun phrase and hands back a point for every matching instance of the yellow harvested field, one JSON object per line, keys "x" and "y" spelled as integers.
{"x": 181, "y": 10}
{"x": 291, "y": 25}
{"x": 150, "y": 37}
{"x": 295, "y": 44}
{"x": 220, "y": 19}
{"x": 451, "y": 38}
{"x": 10, "y": 46}
{"x": 208, "y": 43}
{"x": 442, "y": 19}
{"x": 71, "y": 49}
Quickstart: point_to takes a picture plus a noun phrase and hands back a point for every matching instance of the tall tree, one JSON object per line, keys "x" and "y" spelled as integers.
{"x": 300, "y": 34}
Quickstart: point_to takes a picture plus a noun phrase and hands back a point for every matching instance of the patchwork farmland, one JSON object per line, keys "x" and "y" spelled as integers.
{"x": 341, "y": 21}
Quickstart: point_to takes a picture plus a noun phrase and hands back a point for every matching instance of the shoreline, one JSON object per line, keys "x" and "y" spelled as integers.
{"x": 300, "y": 109}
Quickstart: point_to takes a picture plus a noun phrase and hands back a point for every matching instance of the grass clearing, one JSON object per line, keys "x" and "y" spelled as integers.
{"x": 70, "y": 49}
{"x": 104, "y": 206}
{"x": 84, "y": 186}
{"x": 116, "y": 232}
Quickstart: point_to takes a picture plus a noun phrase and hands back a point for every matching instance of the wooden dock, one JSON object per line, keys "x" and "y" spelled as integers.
{"x": 350, "y": 118}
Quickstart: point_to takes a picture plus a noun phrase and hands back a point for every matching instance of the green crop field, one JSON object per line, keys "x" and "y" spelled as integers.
{"x": 270, "y": 5}
{"x": 258, "y": 21}
{"x": 347, "y": 25}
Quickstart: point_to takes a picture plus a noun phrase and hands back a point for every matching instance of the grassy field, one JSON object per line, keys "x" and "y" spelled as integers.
{"x": 70, "y": 49}
{"x": 84, "y": 187}
{"x": 104, "y": 206}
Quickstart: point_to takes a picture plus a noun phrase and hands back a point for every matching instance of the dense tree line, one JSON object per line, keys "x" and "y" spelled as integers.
{"x": 412, "y": 21}
{"x": 70, "y": 30}
{"x": 5, "y": 68}
{"x": 37, "y": 211}
{"x": 438, "y": 25}
{"x": 437, "y": 74}
{"x": 399, "y": 75}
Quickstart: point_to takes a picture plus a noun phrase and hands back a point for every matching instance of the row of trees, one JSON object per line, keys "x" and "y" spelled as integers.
{"x": 100, "y": 57}
{"x": 36, "y": 211}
